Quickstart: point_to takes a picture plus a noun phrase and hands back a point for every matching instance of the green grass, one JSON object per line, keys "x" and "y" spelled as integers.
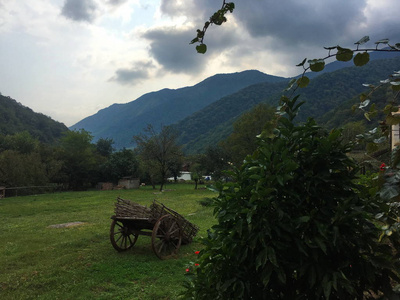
{"x": 38, "y": 262}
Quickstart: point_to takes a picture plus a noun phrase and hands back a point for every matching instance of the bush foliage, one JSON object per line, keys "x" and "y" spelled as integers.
{"x": 294, "y": 224}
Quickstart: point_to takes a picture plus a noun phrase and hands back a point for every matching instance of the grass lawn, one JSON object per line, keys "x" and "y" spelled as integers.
{"x": 40, "y": 262}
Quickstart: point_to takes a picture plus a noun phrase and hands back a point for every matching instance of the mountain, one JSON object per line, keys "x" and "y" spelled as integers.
{"x": 122, "y": 121}
{"x": 213, "y": 123}
{"x": 323, "y": 96}
{"x": 203, "y": 113}
{"x": 14, "y": 118}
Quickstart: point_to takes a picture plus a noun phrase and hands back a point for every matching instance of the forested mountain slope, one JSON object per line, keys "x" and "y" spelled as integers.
{"x": 122, "y": 121}
{"x": 14, "y": 118}
{"x": 325, "y": 93}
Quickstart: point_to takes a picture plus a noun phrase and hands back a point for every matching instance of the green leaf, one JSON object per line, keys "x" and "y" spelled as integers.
{"x": 302, "y": 82}
{"x": 388, "y": 192}
{"x": 364, "y": 103}
{"x": 304, "y": 219}
{"x": 317, "y": 65}
{"x": 363, "y": 40}
{"x": 202, "y": 48}
{"x": 380, "y": 140}
{"x": 230, "y": 6}
{"x": 344, "y": 54}
{"x": 290, "y": 84}
{"x": 361, "y": 59}
{"x": 382, "y": 41}
{"x": 312, "y": 276}
{"x": 195, "y": 40}
{"x": 267, "y": 274}
{"x": 272, "y": 256}
{"x": 395, "y": 85}
{"x": 327, "y": 288}
{"x": 302, "y": 63}
{"x": 261, "y": 258}
{"x": 330, "y": 48}
{"x": 371, "y": 86}
{"x": 321, "y": 244}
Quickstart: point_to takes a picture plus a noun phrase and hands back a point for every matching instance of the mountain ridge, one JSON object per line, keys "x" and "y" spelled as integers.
{"x": 15, "y": 118}
{"x": 166, "y": 106}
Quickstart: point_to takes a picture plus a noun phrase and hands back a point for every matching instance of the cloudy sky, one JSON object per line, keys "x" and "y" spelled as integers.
{"x": 69, "y": 58}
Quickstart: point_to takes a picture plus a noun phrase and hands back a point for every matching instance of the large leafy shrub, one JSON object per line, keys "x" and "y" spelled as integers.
{"x": 294, "y": 225}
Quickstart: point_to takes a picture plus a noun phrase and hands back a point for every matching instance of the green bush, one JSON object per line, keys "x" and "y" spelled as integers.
{"x": 294, "y": 224}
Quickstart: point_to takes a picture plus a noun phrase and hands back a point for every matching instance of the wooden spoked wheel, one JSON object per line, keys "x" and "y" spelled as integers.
{"x": 121, "y": 236}
{"x": 166, "y": 237}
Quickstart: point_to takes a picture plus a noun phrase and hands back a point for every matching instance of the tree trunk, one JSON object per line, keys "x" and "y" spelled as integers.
{"x": 162, "y": 185}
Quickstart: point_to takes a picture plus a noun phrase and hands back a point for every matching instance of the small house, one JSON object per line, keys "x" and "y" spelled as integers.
{"x": 184, "y": 175}
{"x": 129, "y": 182}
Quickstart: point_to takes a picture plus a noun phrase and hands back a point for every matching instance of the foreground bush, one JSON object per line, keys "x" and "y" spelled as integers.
{"x": 293, "y": 225}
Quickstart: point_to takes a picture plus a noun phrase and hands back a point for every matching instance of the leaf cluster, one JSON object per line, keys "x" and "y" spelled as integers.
{"x": 359, "y": 56}
{"x": 218, "y": 18}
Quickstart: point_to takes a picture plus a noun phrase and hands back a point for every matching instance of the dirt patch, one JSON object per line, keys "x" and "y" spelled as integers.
{"x": 67, "y": 225}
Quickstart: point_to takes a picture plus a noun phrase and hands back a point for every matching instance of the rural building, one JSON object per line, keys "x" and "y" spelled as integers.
{"x": 184, "y": 176}
{"x": 129, "y": 182}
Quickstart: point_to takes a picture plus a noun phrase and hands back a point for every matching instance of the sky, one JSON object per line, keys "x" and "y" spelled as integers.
{"x": 68, "y": 59}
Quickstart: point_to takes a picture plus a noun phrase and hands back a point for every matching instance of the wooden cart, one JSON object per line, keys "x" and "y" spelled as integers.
{"x": 167, "y": 229}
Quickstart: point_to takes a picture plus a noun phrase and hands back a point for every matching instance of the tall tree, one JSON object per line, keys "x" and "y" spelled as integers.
{"x": 159, "y": 151}
{"x": 214, "y": 162}
{"x": 104, "y": 147}
{"x": 120, "y": 164}
{"x": 20, "y": 161}
{"x": 79, "y": 157}
{"x": 243, "y": 140}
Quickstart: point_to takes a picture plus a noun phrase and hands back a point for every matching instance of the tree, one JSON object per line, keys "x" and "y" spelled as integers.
{"x": 243, "y": 140}
{"x": 214, "y": 162}
{"x": 120, "y": 164}
{"x": 196, "y": 173}
{"x": 21, "y": 142}
{"x": 292, "y": 224}
{"x": 21, "y": 162}
{"x": 22, "y": 169}
{"x": 79, "y": 158}
{"x": 158, "y": 152}
{"x": 104, "y": 147}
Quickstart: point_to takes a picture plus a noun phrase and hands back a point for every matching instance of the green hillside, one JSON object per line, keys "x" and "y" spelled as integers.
{"x": 326, "y": 96}
{"x": 14, "y": 118}
{"x": 214, "y": 123}
{"x": 122, "y": 121}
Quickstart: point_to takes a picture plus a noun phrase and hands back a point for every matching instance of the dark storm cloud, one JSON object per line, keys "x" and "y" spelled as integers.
{"x": 131, "y": 76}
{"x": 289, "y": 22}
{"x": 79, "y": 10}
{"x": 170, "y": 47}
{"x": 292, "y": 21}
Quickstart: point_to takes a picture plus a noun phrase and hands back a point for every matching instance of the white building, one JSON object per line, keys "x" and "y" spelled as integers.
{"x": 184, "y": 176}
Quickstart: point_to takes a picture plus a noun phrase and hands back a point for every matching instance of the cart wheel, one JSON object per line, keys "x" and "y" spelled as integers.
{"x": 121, "y": 237}
{"x": 166, "y": 238}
